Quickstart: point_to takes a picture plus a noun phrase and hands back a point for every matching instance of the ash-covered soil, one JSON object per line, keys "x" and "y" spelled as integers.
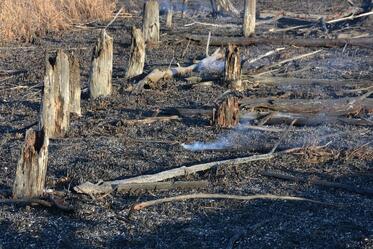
{"x": 100, "y": 146}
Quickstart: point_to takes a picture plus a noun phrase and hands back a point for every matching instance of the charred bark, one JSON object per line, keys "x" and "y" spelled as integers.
{"x": 227, "y": 113}
{"x": 233, "y": 68}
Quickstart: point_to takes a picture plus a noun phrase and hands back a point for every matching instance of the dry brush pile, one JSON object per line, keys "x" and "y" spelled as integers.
{"x": 24, "y": 19}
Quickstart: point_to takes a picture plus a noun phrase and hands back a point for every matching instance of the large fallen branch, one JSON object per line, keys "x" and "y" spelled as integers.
{"x": 209, "y": 64}
{"x": 366, "y": 42}
{"x": 319, "y": 182}
{"x": 89, "y": 188}
{"x": 147, "y": 204}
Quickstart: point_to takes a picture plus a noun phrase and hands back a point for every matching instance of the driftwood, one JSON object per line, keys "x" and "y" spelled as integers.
{"x": 137, "y": 58}
{"x": 32, "y": 166}
{"x": 94, "y": 189}
{"x": 366, "y": 42}
{"x": 55, "y": 108}
{"x": 227, "y": 113}
{"x": 177, "y": 172}
{"x": 232, "y": 69}
{"x": 75, "y": 86}
{"x": 317, "y": 181}
{"x": 100, "y": 78}
{"x": 151, "y": 24}
{"x": 147, "y": 204}
{"x": 205, "y": 65}
{"x": 249, "y": 18}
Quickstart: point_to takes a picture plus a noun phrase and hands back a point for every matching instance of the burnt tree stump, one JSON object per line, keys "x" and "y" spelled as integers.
{"x": 75, "y": 87}
{"x": 102, "y": 67}
{"x": 32, "y": 166}
{"x": 249, "y": 18}
{"x": 137, "y": 58}
{"x": 233, "y": 68}
{"x": 226, "y": 114}
{"x": 55, "y": 108}
{"x": 151, "y": 24}
{"x": 170, "y": 13}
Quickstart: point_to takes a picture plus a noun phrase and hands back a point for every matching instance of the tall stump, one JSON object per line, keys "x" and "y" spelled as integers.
{"x": 55, "y": 108}
{"x": 75, "y": 87}
{"x": 233, "y": 68}
{"x": 32, "y": 166}
{"x": 102, "y": 67}
{"x": 170, "y": 13}
{"x": 151, "y": 24}
{"x": 227, "y": 112}
{"x": 249, "y": 18}
{"x": 137, "y": 58}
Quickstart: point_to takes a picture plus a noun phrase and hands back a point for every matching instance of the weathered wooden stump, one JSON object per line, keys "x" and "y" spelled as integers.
{"x": 151, "y": 24}
{"x": 249, "y": 18}
{"x": 55, "y": 108}
{"x": 75, "y": 87}
{"x": 226, "y": 114}
{"x": 170, "y": 13}
{"x": 102, "y": 67}
{"x": 137, "y": 58}
{"x": 233, "y": 68}
{"x": 32, "y": 166}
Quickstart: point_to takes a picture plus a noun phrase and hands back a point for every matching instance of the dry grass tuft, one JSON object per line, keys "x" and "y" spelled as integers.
{"x": 23, "y": 19}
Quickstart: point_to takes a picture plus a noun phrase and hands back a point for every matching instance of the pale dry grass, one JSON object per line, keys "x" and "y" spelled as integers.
{"x": 24, "y": 19}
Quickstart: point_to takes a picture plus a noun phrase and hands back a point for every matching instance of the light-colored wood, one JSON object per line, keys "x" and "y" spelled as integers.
{"x": 185, "y": 7}
{"x": 151, "y": 24}
{"x": 227, "y": 113}
{"x": 233, "y": 68}
{"x": 226, "y": 5}
{"x": 170, "y": 13}
{"x": 137, "y": 58}
{"x": 176, "y": 172}
{"x": 75, "y": 85}
{"x": 32, "y": 166}
{"x": 249, "y": 18}
{"x": 55, "y": 108}
{"x": 100, "y": 79}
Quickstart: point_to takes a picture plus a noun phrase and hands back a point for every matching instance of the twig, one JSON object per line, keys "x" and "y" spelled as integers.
{"x": 283, "y": 136}
{"x": 147, "y": 204}
{"x": 208, "y": 44}
{"x": 115, "y": 17}
{"x": 151, "y": 120}
{"x": 213, "y": 25}
{"x": 316, "y": 181}
{"x": 266, "y": 55}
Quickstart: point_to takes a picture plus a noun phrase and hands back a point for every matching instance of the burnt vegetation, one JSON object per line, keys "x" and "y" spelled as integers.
{"x": 187, "y": 124}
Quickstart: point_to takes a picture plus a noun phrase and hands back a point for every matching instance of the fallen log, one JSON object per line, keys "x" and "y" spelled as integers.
{"x": 317, "y": 181}
{"x": 206, "y": 65}
{"x": 366, "y": 42}
{"x": 94, "y": 189}
{"x": 176, "y": 172}
{"x": 147, "y": 204}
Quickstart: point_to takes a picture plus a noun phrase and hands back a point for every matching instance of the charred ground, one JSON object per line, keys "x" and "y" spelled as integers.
{"x": 100, "y": 146}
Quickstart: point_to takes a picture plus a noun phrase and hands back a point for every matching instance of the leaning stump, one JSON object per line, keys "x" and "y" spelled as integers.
{"x": 100, "y": 78}
{"x": 226, "y": 114}
{"x": 32, "y": 166}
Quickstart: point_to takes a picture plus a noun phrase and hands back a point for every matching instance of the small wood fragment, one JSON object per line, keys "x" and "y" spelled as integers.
{"x": 151, "y": 26}
{"x": 137, "y": 58}
{"x": 32, "y": 166}
{"x": 100, "y": 78}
